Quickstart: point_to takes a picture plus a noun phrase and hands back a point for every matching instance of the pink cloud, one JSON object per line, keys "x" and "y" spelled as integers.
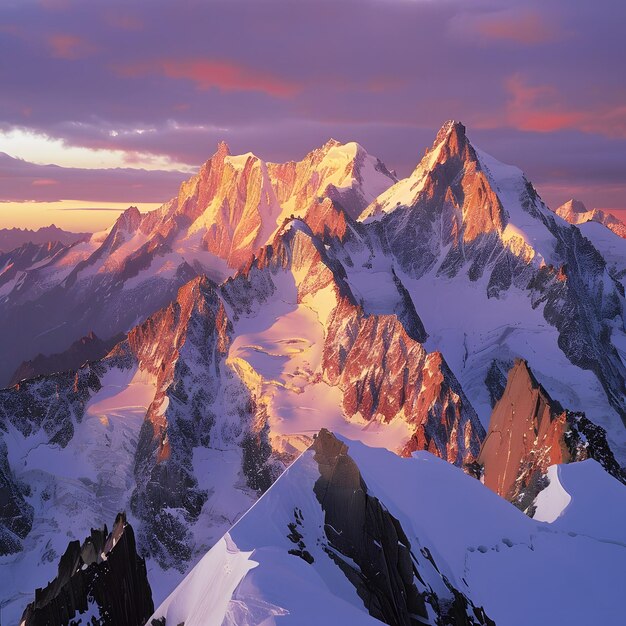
{"x": 541, "y": 108}
{"x": 223, "y": 75}
{"x": 228, "y": 76}
{"x": 526, "y": 28}
{"x": 520, "y": 26}
{"x": 124, "y": 22}
{"x": 65, "y": 46}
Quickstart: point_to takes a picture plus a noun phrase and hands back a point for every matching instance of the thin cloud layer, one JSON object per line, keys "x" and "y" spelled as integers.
{"x": 21, "y": 181}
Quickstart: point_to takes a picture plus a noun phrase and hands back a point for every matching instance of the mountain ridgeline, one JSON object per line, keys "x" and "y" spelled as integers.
{"x": 180, "y": 363}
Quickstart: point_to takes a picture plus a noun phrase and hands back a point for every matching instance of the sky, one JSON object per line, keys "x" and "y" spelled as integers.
{"x": 105, "y": 103}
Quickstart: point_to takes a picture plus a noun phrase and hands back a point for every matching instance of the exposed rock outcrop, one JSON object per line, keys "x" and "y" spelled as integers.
{"x": 102, "y": 582}
{"x": 198, "y": 403}
{"x": 528, "y": 432}
{"x": 386, "y": 375}
{"x": 361, "y": 531}
{"x": 16, "y": 514}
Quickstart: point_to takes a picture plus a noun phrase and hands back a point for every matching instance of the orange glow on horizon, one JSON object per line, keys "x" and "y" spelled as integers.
{"x": 71, "y": 215}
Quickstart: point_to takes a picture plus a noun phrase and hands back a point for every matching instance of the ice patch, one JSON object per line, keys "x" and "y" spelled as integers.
{"x": 553, "y": 500}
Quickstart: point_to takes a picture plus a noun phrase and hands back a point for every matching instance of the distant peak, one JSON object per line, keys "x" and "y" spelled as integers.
{"x": 576, "y": 206}
{"x": 575, "y": 212}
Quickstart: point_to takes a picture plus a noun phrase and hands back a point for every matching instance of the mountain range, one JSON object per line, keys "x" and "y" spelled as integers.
{"x": 11, "y": 238}
{"x": 341, "y": 396}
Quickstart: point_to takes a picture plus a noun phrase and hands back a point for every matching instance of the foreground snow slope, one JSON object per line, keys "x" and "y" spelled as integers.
{"x": 486, "y": 548}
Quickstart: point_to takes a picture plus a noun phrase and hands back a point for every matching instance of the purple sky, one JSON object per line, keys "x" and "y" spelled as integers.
{"x": 538, "y": 84}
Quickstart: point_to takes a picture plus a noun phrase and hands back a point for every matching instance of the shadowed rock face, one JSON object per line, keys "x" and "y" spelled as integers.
{"x": 16, "y": 515}
{"x": 104, "y": 577}
{"x": 354, "y": 524}
{"x": 358, "y": 526}
{"x": 528, "y": 432}
{"x": 52, "y": 404}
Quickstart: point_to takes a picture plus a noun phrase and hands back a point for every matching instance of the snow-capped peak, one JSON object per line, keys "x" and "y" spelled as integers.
{"x": 450, "y": 131}
{"x": 331, "y": 143}
{"x": 478, "y": 194}
{"x": 575, "y": 212}
{"x": 450, "y": 141}
{"x": 129, "y": 220}
{"x": 574, "y": 206}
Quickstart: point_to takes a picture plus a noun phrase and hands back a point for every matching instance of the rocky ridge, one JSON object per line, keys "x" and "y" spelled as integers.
{"x": 354, "y": 324}
{"x": 102, "y": 582}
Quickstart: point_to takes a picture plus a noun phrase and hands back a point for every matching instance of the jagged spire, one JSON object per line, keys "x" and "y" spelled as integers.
{"x": 452, "y": 136}
{"x": 222, "y": 149}
{"x": 451, "y": 127}
{"x": 331, "y": 143}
